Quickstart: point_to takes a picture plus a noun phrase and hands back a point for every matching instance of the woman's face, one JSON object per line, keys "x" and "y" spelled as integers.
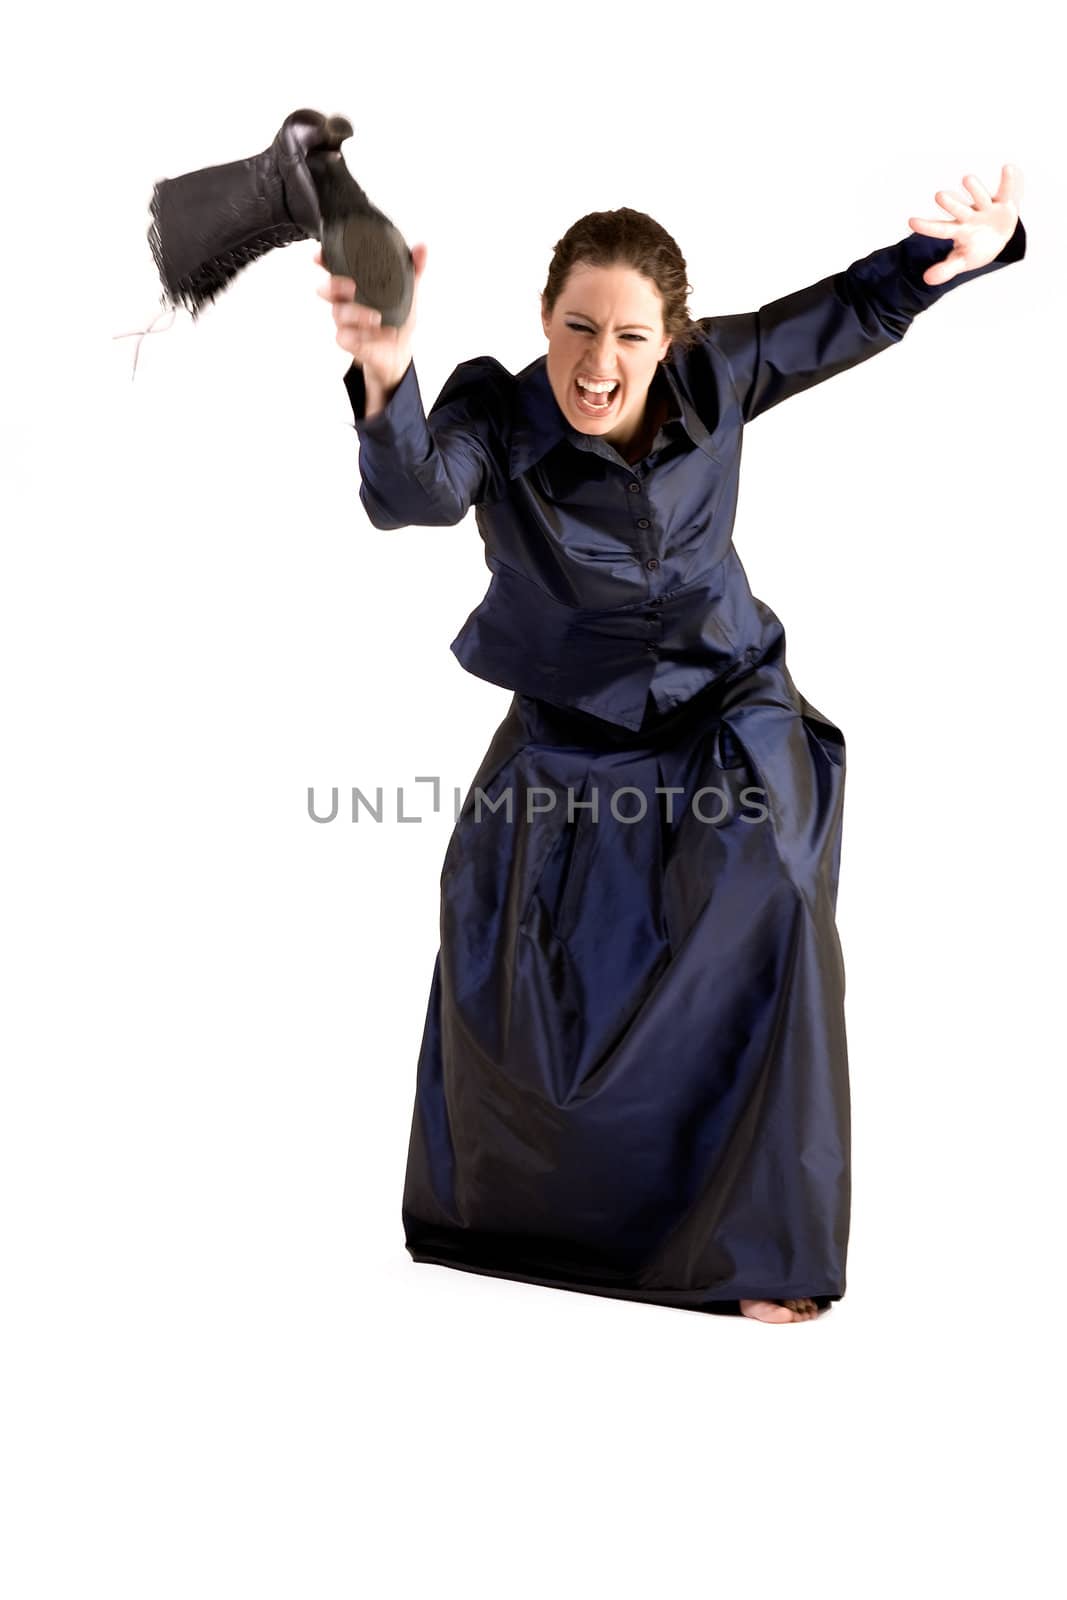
{"x": 607, "y": 324}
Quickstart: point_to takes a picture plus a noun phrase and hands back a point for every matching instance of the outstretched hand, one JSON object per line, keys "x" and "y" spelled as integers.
{"x": 982, "y": 227}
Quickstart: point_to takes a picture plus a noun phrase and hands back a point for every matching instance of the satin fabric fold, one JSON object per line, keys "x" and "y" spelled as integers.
{"x": 633, "y": 1076}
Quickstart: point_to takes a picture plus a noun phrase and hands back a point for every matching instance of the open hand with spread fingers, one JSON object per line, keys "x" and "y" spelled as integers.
{"x": 982, "y": 225}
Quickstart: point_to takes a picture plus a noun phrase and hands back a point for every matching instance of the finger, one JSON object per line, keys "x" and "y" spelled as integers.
{"x": 942, "y": 271}
{"x": 934, "y": 227}
{"x": 339, "y": 289}
{"x": 357, "y": 316}
{"x": 342, "y": 317}
{"x": 1011, "y": 184}
{"x": 959, "y": 205}
{"x": 372, "y": 335}
{"x": 979, "y": 191}
{"x": 371, "y": 332}
{"x": 375, "y": 337}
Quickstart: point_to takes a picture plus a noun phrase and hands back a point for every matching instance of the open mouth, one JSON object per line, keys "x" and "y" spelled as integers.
{"x": 595, "y": 405}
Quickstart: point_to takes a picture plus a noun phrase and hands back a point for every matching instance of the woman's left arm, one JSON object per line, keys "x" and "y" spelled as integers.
{"x": 801, "y": 339}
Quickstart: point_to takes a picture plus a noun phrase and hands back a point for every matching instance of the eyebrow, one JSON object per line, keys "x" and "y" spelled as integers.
{"x": 623, "y": 325}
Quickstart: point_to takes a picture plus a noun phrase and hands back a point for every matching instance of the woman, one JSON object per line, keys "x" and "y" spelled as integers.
{"x": 633, "y": 1078}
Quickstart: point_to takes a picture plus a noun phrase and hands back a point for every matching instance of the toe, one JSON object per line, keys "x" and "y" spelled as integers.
{"x": 767, "y": 1311}
{"x": 803, "y": 1307}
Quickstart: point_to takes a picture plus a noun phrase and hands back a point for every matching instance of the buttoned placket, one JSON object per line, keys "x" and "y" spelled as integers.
{"x": 652, "y": 616}
{"x": 653, "y": 619}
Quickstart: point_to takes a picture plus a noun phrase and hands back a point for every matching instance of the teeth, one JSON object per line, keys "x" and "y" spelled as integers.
{"x": 597, "y": 388}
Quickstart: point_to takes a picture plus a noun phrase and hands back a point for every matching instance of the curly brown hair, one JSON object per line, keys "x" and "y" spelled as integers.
{"x": 632, "y": 239}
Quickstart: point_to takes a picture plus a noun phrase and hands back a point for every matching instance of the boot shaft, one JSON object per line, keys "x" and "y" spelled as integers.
{"x": 208, "y": 225}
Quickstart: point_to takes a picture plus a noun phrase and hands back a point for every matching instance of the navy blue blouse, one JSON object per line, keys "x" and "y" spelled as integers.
{"x": 615, "y": 581}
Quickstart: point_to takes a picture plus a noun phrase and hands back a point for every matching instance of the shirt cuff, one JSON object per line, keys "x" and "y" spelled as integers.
{"x": 403, "y": 407}
{"x": 1015, "y": 248}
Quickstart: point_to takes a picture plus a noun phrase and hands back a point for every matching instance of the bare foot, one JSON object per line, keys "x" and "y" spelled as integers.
{"x": 780, "y": 1310}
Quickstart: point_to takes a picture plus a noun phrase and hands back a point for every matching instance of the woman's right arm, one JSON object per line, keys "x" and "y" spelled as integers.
{"x": 416, "y": 470}
{"x": 427, "y": 470}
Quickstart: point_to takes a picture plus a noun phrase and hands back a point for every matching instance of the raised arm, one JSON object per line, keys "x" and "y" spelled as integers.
{"x": 416, "y": 470}
{"x": 427, "y": 471}
{"x": 790, "y": 344}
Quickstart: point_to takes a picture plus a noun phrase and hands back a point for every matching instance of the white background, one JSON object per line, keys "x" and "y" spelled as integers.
{"x": 222, "y": 1374}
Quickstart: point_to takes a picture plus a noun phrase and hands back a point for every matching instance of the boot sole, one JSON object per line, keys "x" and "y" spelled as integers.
{"x": 374, "y": 253}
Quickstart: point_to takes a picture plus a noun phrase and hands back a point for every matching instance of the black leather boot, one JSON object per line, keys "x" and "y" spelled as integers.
{"x": 208, "y": 225}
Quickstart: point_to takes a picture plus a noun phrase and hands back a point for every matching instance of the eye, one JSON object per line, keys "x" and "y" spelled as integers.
{"x": 578, "y": 328}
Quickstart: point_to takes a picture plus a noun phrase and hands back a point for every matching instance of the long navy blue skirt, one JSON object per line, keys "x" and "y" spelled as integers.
{"x": 633, "y": 1078}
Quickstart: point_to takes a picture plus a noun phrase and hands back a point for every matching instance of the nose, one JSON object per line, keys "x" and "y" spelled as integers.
{"x": 602, "y": 356}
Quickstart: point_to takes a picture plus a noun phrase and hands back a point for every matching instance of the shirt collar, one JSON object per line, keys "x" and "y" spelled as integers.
{"x": 540, "y": 424}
